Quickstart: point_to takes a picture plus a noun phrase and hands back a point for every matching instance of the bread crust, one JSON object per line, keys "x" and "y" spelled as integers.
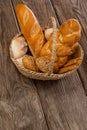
{"x": 70, "y": 32}
{"x": 30, "y": 28}
{"x": 68, "y": 35}
{"x": 43, "y": 64}
{"x": 29, "y": 62}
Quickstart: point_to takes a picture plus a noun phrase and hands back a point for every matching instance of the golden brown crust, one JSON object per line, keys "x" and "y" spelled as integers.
{"x": 30, "y": 28}
{"x": 73, "y": 61}
{"x": 70, "y": 32}
{"x": 66, "y": 69}
{"x": 74, "y": 47}
{"x": 64, "y": 50}
{"x": 62, "y": 61}
{"x": 43, "y": 64}
{"x": 56, "y": 67}
{"x": 67, "y": 37}
{"x": 45, "y": 51}
{"x": 29, "y": 63}
{"x": 70, "y": 65}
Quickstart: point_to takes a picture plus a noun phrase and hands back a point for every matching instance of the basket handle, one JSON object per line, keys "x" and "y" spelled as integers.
{"x": 51, "y": 65}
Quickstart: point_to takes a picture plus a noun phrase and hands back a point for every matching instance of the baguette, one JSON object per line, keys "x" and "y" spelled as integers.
{"x": 30, "y": 28}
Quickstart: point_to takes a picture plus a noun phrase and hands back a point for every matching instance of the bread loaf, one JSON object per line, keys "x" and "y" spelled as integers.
{"x": 30, "y": 28}
{"x": 68, "y": 35}
{"x": 19, "y": 47}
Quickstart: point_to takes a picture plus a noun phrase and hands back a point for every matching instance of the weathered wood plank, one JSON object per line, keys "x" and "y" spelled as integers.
{"x": 20, "y": 107}
{"x": 63, "y": 101}
{"x": 79, "y": 8}
{"x": 76, "y": 9}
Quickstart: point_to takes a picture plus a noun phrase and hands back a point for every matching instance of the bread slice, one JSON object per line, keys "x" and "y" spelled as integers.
{"x": 30, "y": 28}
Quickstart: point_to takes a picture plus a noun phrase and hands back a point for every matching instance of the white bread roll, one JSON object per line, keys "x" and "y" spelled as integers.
{"x": 19, "y": 47}
{"x": 48, "y": 33}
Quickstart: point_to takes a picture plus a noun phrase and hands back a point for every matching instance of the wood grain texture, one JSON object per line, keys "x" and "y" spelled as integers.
{"x": 20, "y": 107}
{"x": 64, "y": 102}
{"x": 40, "y": 9}
{"x": 75, "y": 9}
{"x": 79, "y": 8}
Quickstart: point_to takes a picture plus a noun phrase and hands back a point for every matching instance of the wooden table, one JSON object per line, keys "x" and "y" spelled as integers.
{"x": 27, "y": 104}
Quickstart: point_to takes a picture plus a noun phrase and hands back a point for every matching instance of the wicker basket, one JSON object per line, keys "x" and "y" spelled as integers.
{"x": 50, "y": 75}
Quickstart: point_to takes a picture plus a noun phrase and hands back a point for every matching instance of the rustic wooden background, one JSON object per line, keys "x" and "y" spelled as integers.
{"x": 27, "y": 104}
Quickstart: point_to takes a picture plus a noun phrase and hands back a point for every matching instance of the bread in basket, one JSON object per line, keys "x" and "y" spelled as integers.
{"x": 45, "y": 55}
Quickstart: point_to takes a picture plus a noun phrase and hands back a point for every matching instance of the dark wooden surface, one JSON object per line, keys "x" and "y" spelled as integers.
{"x": 27, "y": 104}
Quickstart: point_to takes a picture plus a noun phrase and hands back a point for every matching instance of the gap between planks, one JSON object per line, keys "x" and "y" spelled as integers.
{"x": 14, "y": 14}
